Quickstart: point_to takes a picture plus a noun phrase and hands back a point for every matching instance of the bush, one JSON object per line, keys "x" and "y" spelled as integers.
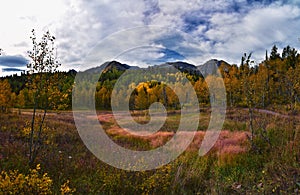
{"x": 13, "y": 182}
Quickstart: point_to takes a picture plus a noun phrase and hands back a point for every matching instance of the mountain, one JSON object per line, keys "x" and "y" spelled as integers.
{"x": 182, "y": 66}
{"x": 109, "y": 66}
{"x": 210, "y": 67}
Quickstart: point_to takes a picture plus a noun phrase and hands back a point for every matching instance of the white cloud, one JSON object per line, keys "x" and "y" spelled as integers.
{"x": 256, "y": 31}
{"x": 91, "y": 21}
{"x": 222, "y": 29}
{"x": 19, "y": 17}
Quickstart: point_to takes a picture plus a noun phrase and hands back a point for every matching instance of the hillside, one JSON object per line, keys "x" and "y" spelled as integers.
{"x": 257, "y": 150}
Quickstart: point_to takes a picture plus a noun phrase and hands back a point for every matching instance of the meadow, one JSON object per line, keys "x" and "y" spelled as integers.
{"x": 65, "y": 166}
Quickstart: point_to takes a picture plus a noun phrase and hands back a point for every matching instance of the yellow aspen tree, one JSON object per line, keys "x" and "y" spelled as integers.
{"x": 5, "y": 95}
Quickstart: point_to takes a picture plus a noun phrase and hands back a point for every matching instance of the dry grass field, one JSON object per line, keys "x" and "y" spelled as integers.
{"x": 230, "y": 167}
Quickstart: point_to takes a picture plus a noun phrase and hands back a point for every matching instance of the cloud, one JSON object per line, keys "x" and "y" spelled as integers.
{"x": 89, "y": 22}
{"x": 148, "y": 56}
{"x": 22, "y": 44}
{"x": 18, "y": 18}
{"x": 220, "y": 29}
{"x": 13, "y": 61}
{"x": 151, "y": 9}
{"x": 196, "y": 30}
{"x": 255, "y": 31}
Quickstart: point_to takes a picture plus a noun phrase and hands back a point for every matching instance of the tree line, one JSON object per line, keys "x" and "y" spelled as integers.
{"x": 275, "y": 81}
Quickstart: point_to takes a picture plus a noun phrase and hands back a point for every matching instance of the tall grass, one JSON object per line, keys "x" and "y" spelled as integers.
{"x": 230, "y": 168}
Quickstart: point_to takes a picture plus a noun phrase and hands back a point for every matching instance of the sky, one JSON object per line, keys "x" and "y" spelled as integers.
{"x": 147, "y": 32}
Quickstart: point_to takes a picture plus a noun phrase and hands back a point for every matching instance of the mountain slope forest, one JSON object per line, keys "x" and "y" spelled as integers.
{"x": 257, "y": 152}
{"x": 273, "y": 83}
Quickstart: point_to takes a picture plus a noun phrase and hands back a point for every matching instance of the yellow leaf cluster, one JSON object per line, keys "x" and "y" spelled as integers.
{"x": 13, "y": 182}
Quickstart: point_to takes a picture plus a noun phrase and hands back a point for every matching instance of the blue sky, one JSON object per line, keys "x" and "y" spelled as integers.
{"x": 197, "y": 30}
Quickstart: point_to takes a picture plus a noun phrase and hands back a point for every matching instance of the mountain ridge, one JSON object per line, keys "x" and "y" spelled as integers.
{"x": 208, "y": 67}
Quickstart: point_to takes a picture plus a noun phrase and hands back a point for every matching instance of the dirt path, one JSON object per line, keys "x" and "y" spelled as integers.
{"x": 270, "y": 112}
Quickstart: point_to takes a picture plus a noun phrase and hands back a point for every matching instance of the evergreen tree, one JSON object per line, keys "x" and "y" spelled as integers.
{"x": 274, "y": 53}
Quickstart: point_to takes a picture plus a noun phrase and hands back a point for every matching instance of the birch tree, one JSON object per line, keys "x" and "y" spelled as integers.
{"x": 42, "y": 82}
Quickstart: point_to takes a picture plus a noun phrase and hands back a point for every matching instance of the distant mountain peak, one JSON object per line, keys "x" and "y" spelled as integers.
{"x": 109, "y": 66}
{"x": 181, "y": 66}
{"x": 210, "y": 67}
{"x": 115, "y": 65}
{"x": 207, "y": 67}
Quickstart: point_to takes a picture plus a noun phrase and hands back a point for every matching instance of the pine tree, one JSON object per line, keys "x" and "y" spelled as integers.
{"x": 274, "y": 53}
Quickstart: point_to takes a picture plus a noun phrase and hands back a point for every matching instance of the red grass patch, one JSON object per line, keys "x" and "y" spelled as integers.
{"x": 229, "y": 142}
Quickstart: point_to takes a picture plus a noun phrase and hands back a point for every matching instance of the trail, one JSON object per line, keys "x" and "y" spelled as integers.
{"x": 296, "y": 118}
{"x": 270, "y": 112}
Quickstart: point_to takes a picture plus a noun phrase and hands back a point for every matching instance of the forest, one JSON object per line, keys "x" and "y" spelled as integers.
{"x": 258, "y": 150}
{"x": 269, "y": 84}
